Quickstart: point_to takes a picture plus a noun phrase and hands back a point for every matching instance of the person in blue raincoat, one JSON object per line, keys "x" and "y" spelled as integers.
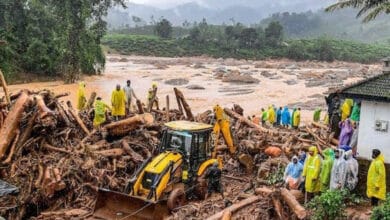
{"x": 286, "y": 117}
{"x": 292, "y": 174}
{"x": 279, "y": 116}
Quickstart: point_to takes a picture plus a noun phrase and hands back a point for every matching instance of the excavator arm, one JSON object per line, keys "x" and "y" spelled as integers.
{"x": 222, "y": 125}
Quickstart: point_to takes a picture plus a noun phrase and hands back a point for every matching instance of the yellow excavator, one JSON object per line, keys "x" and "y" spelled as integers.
{"x": 165, "y": 182}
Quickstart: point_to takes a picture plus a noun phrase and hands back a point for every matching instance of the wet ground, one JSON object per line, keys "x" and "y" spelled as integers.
{"x": 281, "y": 82}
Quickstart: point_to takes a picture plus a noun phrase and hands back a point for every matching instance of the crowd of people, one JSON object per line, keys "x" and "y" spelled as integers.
{"x": 121, "y": 102}
{"x": 336, "y": 169}
{"x": 279, "y": 117}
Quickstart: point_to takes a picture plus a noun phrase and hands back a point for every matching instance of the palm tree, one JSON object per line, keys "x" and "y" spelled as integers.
{"x": 370, "y": 8}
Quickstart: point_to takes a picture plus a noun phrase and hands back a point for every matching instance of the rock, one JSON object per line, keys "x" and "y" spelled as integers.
{"x": 195, "y": 87}
{"x": 292, "y": 67}
{"x": 199, "y": 66}
{"x": 177, "y": 82}
{"x": 291, "y": 82}
{"x": 267, "y": 74}
{"x": 123, "y": 59}
{"x": 236, "y": 77}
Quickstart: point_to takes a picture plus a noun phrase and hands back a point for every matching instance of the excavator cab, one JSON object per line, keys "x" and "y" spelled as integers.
{"x": 163, "y": 183}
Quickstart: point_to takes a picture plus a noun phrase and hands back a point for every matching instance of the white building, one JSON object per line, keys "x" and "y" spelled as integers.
{"x": 374, "y": 128}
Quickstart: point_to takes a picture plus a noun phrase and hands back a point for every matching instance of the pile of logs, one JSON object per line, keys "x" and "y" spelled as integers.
{"x": 58, "y": 160}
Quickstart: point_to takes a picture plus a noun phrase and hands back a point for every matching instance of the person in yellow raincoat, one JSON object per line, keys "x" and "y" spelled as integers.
{"x": 271, "y": 115}
{"x": 118, "y": 102}
{"x": 296, "y": 118}
{"x": 100, "y": 112}
{"x": 150, "y": 96}
{"x": 81, "y": 100}
{"x": 346, "y": 109}
{"x": 376, "y": 178}
{"x": 312, "y": 170}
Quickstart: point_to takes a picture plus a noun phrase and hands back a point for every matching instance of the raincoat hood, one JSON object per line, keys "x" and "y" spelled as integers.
{"x": 314, "y": 150}
{"x": 381, "y": 158}
{"x": 348, "y": 154}
{"x": 328, "y": 153}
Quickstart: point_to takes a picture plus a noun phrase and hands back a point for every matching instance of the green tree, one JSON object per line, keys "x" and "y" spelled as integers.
{"x": 163, "y": 28}
{"x": 274, "y": 34}
{"x": 370, "y": 9}
{"x": 248, "y": 37}
{"x": 325, "y": 50}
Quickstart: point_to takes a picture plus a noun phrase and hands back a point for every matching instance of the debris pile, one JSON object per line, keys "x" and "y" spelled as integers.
{"x": 58, "y": 161}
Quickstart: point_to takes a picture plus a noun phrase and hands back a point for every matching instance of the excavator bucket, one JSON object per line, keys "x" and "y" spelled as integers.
{"x": 115, "y": 205}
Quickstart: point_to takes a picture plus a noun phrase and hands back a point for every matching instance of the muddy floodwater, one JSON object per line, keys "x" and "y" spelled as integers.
{"x": 205, "y": 81}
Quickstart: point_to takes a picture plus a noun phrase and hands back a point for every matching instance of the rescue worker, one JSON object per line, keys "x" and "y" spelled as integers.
{"x": 271, "y": 115}
{"x": 129, "y": 91}
{"x": 376, "y": 178}
{"x": 346, "y": 109}
{"x": 311, "y": 172}
{"x": 326, "y": 169}
{"x": 118, "y": 102}
{"x": 150, "y": 96}
{"x": 317, "y": 115}
{"x": 337, "y": 178}
{"x": 100, "y": 112}
{"x": 264, "y": 116}
{"x": 81, "y": 99}
{"x": 346, "y": 132}
{"x": 296, "y": 118}
{"x": 286, "y": 117}
{"x": 351, "y": 171}
{"x": 213, "y": 175}
{"x": 292, "y": 174}
{"x": 279, "y": 116}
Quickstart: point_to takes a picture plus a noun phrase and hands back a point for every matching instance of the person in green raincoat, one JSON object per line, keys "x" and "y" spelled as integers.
{"x": 326, "y": 169}
{"x": 355, "y": 115}
{"x": 264, "y": 116}
{"x": 317, "y": 115}
{"x": 81, "y": 99}
{"x": 376, "y": 178}
{"x": 312, "y": 170}
{"x": 100, "y": 112}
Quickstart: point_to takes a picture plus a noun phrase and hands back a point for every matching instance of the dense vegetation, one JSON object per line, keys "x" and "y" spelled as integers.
{"x": 53, "y": 37}
{"x": 239, "y": 41}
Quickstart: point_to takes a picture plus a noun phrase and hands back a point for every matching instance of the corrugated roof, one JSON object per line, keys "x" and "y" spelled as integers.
{"x": 376, "y": 88}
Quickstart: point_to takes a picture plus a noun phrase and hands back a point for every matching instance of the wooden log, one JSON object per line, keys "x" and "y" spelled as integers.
{"x": 131, "y": 123}
{"x": 249, "y": 123}
{"x": 115, "y": 152}
{"x": 335, "y": 141}
{"x": 11, "y": 124}
{"x": 235, "y": 207}
{"x": 63, "y": 115}
{"x": 139, "y": 106}
{"x": 134, "y": 155}
{"x": 241, "y": 179}
{"x": 27, "y": 131}
{"x": 12, "y": 151}
{"x": 179, "y": 104}
{"x": 187, "y": 109}
{"x": 319, "y": 125}
{"x": 294, "y": 205}
{"x": 52, "y": 148}
{"x": 46, "y": 115}
{"x": 227, "y": 215}
{"x": 91, "y": 100}
{"x": 167, "y": 108}
{"x": 264, "y": 191}
{"x": 37, "y": 182}
{"x": 278, "y": 207}
{"x": 3, "y": 83}
{"x": 77, "y": 118}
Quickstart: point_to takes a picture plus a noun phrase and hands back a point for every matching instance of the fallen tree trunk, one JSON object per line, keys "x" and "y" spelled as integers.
{"x": 236, "y": 207}
{"x": 124, "y": 126}
{"x": 11, "y": 124}
{"x": 249, "y": 123}
{"x": 115, "y": 152}
{"x": 46, "y": 115}
{"x": 91, "y": 100}
{"x": 139, "y": 106}
{"x": 134, "y": 155}
{"x": 319, "y": 125}
{"x": 278, "y": 207}
{"x": 12, "y": 151}
{"x": 77, "y": 118}
{"x": 294, "y": 205}
{"x": 5, "y": 88}
{"x": 187, "y": 109}
{"x": 52, "y": 148}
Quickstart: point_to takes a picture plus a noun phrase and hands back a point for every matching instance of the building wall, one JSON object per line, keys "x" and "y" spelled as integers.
{"x": 369, "y": 138}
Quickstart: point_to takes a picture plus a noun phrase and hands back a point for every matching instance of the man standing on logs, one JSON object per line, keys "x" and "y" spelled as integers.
{"x": 152, "y": 96}
{"x": 311, "y": 172}
{"x": 214, "y": 180}
{"x": 129, "y": 94}
{"x": 118, "y": 102}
